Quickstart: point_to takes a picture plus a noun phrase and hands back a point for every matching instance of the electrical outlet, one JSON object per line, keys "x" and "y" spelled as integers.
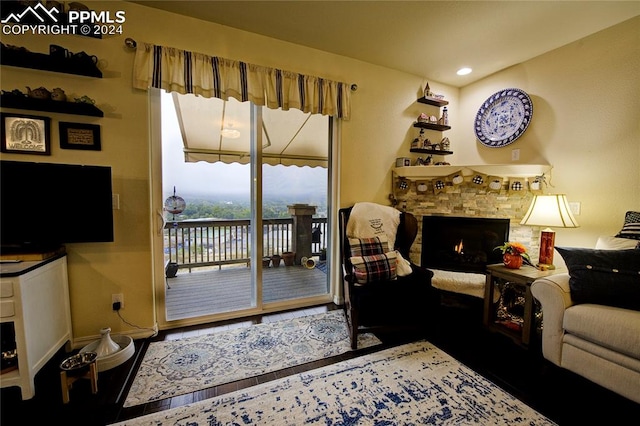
{"x": 515, "y": 154}
{"x": 115, "y": 201}
{"x": 575, "y": 208}
{"x": 118, "y": 298}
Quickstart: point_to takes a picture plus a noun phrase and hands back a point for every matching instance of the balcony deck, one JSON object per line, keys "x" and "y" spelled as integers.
{"x": 191, "y": 294}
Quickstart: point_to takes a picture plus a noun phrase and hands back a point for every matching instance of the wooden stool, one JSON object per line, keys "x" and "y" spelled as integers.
{"x": 67, "y": 382}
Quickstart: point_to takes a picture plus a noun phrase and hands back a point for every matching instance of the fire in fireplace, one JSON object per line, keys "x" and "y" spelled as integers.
{"x": 462, "y": 244}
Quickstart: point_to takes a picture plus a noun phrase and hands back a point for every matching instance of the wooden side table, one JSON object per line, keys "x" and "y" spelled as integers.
{"x": 520, "y": 279}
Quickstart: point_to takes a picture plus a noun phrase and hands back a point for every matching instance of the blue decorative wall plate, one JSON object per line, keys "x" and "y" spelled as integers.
{"x": 503, "y": 118}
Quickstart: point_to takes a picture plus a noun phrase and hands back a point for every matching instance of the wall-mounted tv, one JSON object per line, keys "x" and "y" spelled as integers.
{"x": 44, "y": 205}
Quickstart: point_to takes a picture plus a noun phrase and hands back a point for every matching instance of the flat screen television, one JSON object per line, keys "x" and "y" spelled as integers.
{"x": 45, "y": 205}
{"x": 462, "y": 244}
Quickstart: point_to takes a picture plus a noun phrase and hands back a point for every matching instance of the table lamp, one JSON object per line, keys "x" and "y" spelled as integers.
{"x": 546, "y": 211}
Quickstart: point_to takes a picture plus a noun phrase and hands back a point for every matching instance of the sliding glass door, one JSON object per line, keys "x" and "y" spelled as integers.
{"x": 255, "y": 187}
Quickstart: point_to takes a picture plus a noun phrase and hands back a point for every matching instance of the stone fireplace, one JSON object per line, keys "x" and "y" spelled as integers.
{"x": 467, "y": 200}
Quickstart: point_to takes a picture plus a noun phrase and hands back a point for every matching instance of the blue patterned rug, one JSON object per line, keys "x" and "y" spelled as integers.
{"x": 177, "y": 367}
{"x": 410, "y": 384}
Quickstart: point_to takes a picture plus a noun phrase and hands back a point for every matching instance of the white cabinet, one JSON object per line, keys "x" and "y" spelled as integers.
{"x": 34, "y": 296}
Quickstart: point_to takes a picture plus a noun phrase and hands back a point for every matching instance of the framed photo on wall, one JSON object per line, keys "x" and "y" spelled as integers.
{"x": 25, "y": 134}
{"x": 80, "y": 136}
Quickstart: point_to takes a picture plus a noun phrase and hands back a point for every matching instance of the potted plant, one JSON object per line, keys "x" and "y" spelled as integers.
{"x": 275, "y": 260}
{"x": 514, "y": 254}
{"x": 289, "y": 258}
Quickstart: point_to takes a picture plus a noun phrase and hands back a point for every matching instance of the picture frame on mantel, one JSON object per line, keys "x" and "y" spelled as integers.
{"x": 80, "y": 136}
{"x": 25, "y": 134}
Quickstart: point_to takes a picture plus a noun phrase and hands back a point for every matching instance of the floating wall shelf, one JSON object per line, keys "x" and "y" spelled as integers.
{"x": 431, "y": 151}
{"x": 431, "y": 126}
{"x": 40, "y": 61}
{"x": 433, "y": 101}
{"x": 23, "y": 102}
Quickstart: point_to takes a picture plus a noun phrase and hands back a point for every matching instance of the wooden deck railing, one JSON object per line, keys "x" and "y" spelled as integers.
{"x": 195, "y": 243}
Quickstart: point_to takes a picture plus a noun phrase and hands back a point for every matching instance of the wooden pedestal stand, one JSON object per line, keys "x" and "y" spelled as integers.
{"x": 67, "y": 382}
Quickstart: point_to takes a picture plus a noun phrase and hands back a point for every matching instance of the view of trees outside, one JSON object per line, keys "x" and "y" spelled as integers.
{"x": 283, "y": 186}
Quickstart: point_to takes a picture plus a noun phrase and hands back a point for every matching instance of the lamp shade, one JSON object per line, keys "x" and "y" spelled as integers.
{"x": 550, "y": 210}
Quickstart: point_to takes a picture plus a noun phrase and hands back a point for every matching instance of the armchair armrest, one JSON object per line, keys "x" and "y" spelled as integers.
{"x": 554, "y": 295}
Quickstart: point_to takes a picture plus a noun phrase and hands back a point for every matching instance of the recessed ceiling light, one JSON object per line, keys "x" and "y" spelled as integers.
{"x": 464, "y": 71}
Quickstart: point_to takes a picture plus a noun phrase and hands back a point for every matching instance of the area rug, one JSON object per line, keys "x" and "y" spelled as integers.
{"x": 414, "y": 383}
{"x": 176, "y": 367}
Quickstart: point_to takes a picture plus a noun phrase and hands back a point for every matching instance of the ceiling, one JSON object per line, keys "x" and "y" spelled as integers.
{"x": 426, "y": 38}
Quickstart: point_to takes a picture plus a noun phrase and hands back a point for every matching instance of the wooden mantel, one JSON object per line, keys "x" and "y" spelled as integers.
{"x": 504, "y": 170}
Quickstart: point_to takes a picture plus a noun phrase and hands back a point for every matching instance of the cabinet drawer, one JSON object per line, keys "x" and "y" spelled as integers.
{"x": 7, "y": 309}
{"x": 6, "y": 289}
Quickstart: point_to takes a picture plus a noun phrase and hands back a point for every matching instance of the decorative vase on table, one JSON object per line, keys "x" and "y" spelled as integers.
{"x": 512, "y": 261}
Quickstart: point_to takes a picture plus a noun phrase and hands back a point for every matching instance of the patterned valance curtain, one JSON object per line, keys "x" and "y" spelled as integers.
{"x": 181, "y": 71}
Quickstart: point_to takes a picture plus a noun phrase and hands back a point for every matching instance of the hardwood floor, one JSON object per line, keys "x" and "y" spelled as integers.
{"x": 560, "y": 395}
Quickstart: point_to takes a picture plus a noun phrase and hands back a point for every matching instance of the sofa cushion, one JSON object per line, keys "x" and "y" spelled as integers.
{"x": 376, "y": 267}
{"x": 606, "y": 277}
{"x": 631, "y": 227}
{"x": 601, "y": 325}
{"x": 606, "y": 242}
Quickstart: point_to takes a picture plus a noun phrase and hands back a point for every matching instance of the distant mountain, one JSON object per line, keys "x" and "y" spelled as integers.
{"x": 287, "y": 184}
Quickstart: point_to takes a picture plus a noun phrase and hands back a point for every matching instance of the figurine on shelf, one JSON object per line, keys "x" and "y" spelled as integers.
{"x": 14, "y": 92}
{"x": 445, "y": 144}
{"x": 425, "y": 162}
{"x": 58, "y": 94}
{"x": 85, "y": 100}
{"x": 427, "y": 91}
{"x": 423, "y": 118}
{"x": 39, "y": 93}
{"x": 423, "y": 141}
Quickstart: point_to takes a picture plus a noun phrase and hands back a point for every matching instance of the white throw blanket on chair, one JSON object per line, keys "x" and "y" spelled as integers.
{"x": 371, "y": 220}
